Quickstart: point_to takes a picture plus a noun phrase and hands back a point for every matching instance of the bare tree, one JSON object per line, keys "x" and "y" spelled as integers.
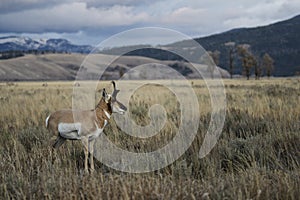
{"x": 257, "y": 69}
{"x": 243, "y": 51}
{"x": 248, "y": 59}
{"x": 268, "y": 64}
{"x": 251, "y": 62}
{"x": 232, "y": 51}
{"x": 215, "y": 56}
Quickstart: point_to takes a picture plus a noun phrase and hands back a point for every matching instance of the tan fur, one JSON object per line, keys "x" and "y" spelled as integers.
{"x": 87, "y": 118}
{"x": 99, "y": 111}
{"x": 91, "y": 123}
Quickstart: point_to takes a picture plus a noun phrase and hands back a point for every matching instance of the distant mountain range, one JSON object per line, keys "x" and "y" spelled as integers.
{"x": 280, "y": 40}
{"x": 15, "y": 43}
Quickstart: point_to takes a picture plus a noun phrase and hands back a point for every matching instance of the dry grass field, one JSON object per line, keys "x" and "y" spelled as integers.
{"x": 256, "y": 157}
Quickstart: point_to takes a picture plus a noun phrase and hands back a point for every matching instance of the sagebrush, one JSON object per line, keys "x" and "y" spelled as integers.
{"x": 256, "y": 157}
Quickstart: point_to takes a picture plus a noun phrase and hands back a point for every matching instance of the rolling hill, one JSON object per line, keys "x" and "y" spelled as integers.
{"x": 280, "y": 40}
{"x": 48, "y": 67}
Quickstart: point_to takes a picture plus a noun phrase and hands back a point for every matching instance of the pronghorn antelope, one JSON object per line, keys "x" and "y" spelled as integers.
{"x": 87, "y": 125}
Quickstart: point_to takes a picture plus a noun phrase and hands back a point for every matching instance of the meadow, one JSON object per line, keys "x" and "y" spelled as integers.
{"x": 256, "y": 157}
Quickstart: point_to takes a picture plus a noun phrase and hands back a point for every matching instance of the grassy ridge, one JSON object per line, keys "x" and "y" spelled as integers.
{"x": 257, "y": 155}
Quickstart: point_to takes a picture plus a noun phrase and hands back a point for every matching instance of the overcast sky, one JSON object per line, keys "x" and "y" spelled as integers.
{"x": 92, "y": 21}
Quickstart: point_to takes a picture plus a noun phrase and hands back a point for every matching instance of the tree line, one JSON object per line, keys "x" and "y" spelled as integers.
{"x": 19, "y": 53}
{"x": 243, "y": 55}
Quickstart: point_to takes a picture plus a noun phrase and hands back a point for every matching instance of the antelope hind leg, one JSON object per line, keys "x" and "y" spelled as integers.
{"x": 85, "y": 143}
{"x": 91, "y": 145}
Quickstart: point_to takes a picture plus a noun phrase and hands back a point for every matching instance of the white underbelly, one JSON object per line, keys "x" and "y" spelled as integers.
{"x": 71, "y": 135}
{"x": 70, "y": 130}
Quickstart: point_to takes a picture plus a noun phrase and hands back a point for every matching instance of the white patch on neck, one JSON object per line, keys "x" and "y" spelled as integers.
{"x": 107, "y": 114}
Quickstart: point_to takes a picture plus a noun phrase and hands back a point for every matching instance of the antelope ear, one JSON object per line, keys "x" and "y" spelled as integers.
{"x": 104, "y": 94}
{"x": 113, "y": 84}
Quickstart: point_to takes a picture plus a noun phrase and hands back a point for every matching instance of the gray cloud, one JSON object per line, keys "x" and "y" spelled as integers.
{"x": 101, "y": 18}
{"x": 213, "y": 16}
{"x": 107, "y": 3}
{"x": 8, "y": 6}
{"x": 68, "y": 18}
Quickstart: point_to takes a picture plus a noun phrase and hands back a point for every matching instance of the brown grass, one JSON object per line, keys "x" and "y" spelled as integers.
{"x": 256, "y": 157}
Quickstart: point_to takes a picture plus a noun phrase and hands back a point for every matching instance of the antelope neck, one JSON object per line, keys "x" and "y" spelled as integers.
{"x": 103, "y": 112}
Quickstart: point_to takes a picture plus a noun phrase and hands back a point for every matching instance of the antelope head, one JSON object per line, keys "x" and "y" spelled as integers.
{"x": 111, "y": 99}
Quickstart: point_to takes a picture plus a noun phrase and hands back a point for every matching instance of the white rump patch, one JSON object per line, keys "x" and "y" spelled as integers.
{"x": 70, "y": 130}
{"x": 47, "y": 119}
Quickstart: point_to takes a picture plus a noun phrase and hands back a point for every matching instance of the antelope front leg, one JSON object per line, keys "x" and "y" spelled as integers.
{"x": 85, "y": 142}
{"x": 92, "y": 143}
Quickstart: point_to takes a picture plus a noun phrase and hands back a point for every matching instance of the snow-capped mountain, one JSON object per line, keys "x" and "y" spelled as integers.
{"x": 25, "y": 44}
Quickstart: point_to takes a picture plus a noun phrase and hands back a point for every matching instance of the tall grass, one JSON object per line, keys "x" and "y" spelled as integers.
{"x": 256, "y": 157}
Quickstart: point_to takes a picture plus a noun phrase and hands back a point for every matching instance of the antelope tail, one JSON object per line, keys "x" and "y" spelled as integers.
{"x": 47, "y": 120}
